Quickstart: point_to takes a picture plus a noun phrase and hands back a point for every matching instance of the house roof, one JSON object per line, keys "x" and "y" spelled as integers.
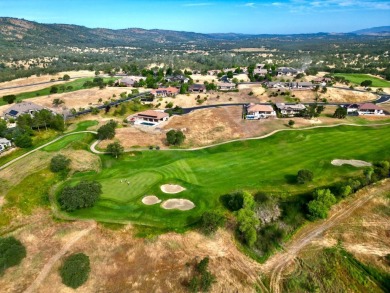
{"x": 22, "y": 108}
{"x": 4, "y": 141}
{"x": 260, "y": 108}
{"x": 369, "y": 106}
{"x": 197, "y": 86}
{"x": 353, "y": 106}
{"x": 296, "y": 107}
{"x": 153, "y": 114}
{"x": 226, "y": 84}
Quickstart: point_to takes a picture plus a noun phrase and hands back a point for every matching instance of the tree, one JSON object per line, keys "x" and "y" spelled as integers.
{"x": 115, "y": 148}
{"x": 233, "y": 201}
{"x": 54, "y": 89}
{"x": 9, "y": 99}
{"x": 291, "y": 123}
{"x": 340, "y": 113}
{"x": 366, "y": 83}
{"x": 304, "y": 176}
{"x": 59, "y": 163}
{"x": 184, "y": 88}
{"x": 107, "y": 131}
{"x": 75, "y": 270}
{"x": 57, "y": 102}
{"x": 324, "y": 90}
{"x": 247, "y": 223}
{"x": 320, "y": 205}
{"x": 66, "y": 77}
{"x": 12, "y": 251}
{"x": 83, "y": 195}
{"x": 3, "y": 127}
{"x": 230, "y": 74}
{"x": 211, "y": 221}
{"x": 23, "y": 140}
{"x": 175, "y": 137}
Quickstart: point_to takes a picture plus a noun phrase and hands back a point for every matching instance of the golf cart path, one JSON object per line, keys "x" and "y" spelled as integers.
{"x": 93, "y": 146}
{"x": 43, "y": 146}
{"x": 278, "y": 263}
{"x": 49, "y": 265}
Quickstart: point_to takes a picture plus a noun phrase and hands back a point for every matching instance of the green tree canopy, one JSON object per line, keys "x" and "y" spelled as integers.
{"x": 304, "y": 176}
{"x": 340, "y": 113}
{"x": 75, "y": 270}
{"x": 175, "y": 137}
{"x": 12, "y": 251}
{"x": 107, "y": 131}
{"x": 116, "y": 149}
{"x": 83, "y": 195}
{"x": 9, "y": 99}
{"x": 211, "y": 221}
{"x": 59, "y": 163}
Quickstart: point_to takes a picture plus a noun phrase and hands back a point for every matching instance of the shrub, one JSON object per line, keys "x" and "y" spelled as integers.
{"x": 59, "y": 163}
{"x": 9, "y": 99}
{"x": 291, "y": 123}
{"x": 175, "y": 137}
{"x": 75, "y": 270}
{"x": 12, "y": 252}
{"x": 203, "y": 280}
{"x": 211, "y": 221}
{"x": 107, "y": 131}
{"x": 233, "y": 201}
{"x": 83, "y": 195}
{"x": 320, "y": 205}
{"x": 304, "y": 176}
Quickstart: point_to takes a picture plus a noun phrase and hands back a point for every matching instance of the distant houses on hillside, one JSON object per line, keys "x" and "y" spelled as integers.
{"x": 290, "y": 85}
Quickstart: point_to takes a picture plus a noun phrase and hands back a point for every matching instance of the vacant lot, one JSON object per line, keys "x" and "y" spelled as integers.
{"x": 358, "y": 78}
{"x": 208, "y": 173}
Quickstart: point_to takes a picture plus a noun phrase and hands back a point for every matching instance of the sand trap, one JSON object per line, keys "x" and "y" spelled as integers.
{"x": 355, "y": 163}
{"x": 179, "y": 204}
{"x": 150, "y": 200}
{"x": 172, "y": 188}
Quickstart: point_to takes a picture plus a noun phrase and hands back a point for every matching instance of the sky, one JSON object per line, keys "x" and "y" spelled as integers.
{"x": 215, "y": 16}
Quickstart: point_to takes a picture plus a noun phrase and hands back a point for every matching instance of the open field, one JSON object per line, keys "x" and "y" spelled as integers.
{"x": 358, "y": 78}
{"x": 206, "y": 174}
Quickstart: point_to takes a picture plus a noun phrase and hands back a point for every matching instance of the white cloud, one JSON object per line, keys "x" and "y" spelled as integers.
{"x": 251, "y": 4}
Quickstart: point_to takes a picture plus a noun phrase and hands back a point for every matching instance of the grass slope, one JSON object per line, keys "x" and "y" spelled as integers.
{"x": 268, "y": 165}
{"x": 358, "y": 78}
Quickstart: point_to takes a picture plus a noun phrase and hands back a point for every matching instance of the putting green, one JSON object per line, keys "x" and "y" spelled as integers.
{"x": 268, "y": 165}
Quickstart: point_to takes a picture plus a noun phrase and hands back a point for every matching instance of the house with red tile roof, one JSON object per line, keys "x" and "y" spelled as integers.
{"x": 165, "y": 92}
{"x": 370, "y": 109}
{"x": 259, "y": 111}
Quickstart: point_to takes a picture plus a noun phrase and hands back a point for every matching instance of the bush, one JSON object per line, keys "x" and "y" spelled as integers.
{"x": 211, "y": 221}
{"x": 304, "y": 176}
{"x": 175, "y": 137}
{"x": 233, "y": 201}
{"x": 59, "y": 163}
{"x": 9, "y": 99}
{"x": 23, "y": 141}
{"x": 83, "y": 195}
{"x": 320, "y": 205}
{"x": 12, "y": 252}
{"x": 203, "y": 280}
{"x": 75, "y": 270}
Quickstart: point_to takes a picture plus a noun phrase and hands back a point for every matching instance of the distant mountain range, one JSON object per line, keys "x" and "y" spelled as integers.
{"x": 379, "y": 31}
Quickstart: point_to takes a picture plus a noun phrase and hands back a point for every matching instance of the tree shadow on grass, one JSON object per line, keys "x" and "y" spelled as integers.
{"x": 291, "y": 178}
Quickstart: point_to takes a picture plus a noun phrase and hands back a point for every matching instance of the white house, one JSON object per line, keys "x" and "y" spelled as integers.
{"x": 259, "y": 112}
{"x": 370, "y": 109}
{"x": 4, "y": 144}
{"x": 290, "y": 110}
{"x": 226, "y": 86}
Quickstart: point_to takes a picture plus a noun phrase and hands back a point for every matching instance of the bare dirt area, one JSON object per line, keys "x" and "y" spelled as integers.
{"x": 340, "y": 216}
{"x": 178, "y": 204}
{"x": 122, "y": 263}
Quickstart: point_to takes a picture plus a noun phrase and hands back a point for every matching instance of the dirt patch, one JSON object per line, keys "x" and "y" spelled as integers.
{"x": 178, "y": 204}
{"x": 82, "y": 161}
{"x": 150, "y": 200}
{"x": 355, "y": 163}
{"x": 172, "y": 188}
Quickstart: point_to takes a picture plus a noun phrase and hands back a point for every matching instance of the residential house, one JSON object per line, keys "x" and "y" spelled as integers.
{"x": 177, "y": 78}
{"x": 290, "y": 110}
{"x": 352, "y": 108}
{"x": 370, "y": 109}
{"x": 165, "y": 92}
{"x": 276, "y": 85}
{"x": 286, "y": 71}
{"x": 4, "y": 144}
{"x": 260, "y": 70}
{"x": 300, "y": 85}
{"x": 149, "y": 116}
{"x": 21, "y": 108}
{"x": 226, "y": 86}
{"x": 129, "y": 80}
{"x": 322, "y": 80}
{"x": 197, "y": 88}
{"x": 259, "y": 111}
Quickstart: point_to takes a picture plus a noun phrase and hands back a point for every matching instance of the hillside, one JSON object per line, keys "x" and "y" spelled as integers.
{"x": 379, "y": 31}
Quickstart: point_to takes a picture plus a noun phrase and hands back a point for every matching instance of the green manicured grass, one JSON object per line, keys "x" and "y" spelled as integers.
{"x": 76, "y": 85}
{"x": 358, "y": 78}
{"x": 84, "y": 125}
{"x": 268, "y": 165}
{"x": 78, "y": 141}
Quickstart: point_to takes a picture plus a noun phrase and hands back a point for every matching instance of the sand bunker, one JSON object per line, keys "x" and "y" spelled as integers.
{"x": 355, "y": 163}
{"x": 179, "y": 204}
{"x": 172, "y": 188}
{"x": 150, "y": 200}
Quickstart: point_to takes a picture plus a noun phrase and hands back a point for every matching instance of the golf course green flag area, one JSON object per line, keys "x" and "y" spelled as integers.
{"x": 267, "y": 165}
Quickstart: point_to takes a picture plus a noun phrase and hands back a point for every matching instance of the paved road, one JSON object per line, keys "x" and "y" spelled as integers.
{"x": 383, "y": 99}
{"x": 42, "y": 146}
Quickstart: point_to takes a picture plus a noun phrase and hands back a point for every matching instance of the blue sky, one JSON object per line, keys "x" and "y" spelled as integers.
{"x": 216, "y": 16}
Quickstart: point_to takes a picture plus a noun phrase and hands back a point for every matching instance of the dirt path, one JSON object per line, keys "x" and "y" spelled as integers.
{"x": 277, "y": 264}
{"x": 49, "y": 265}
